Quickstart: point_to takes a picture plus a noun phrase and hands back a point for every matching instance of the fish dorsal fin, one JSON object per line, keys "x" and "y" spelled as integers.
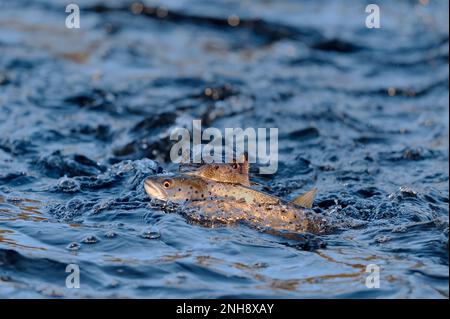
{"x": 243, "y": 168}
{"x": 306, "y": 199}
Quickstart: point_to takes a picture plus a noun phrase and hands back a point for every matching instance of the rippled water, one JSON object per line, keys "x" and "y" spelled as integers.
{"x": 85, "y": 116}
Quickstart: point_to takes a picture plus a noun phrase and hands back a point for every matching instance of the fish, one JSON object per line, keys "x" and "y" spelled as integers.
{"x": 280, "y": 217}
{"x": 223, "y": 202}
{"x": 237, "y": 173}
{"x": 234, "y": 173}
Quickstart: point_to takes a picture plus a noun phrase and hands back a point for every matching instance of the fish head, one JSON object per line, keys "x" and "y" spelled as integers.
{"x": 174, "y": 188}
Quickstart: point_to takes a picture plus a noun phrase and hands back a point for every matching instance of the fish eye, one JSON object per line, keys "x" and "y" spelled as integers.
{"x": 167, "y": 183}
{"x": 235, "y": 166}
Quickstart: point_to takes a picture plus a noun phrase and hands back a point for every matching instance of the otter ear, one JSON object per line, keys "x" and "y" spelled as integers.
{"x": 305, "y": 200}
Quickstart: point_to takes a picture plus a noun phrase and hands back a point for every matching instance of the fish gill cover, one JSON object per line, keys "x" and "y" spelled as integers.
{"x": 86, "y": 115}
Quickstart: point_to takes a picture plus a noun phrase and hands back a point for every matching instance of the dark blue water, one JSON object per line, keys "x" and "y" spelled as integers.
{"x": 85, "y": 116}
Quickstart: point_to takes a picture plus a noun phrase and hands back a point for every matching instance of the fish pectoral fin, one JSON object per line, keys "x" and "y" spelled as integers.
{"x": 306, "y": 199}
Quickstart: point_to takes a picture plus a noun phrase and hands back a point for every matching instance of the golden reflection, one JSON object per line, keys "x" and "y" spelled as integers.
{"x": 290, "y": 284}
{"x": 137, "y": 7}
{"x": 392, "y": 91}
{"x": 233, "y": 20}
{"x": 29, "y": 210}
{"x": 79, "y": 56}
{"x": 162, "y": 12}
{"x": 161, "y": 259}
{"x": 10, "y": 242}
{"x": 57, "y": 41}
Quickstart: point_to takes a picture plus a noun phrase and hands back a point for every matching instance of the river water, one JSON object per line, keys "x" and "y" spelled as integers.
{"x": 85, "y": 116}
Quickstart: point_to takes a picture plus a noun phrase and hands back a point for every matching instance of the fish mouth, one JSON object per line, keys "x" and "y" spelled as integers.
{"x": 153, "y": 190}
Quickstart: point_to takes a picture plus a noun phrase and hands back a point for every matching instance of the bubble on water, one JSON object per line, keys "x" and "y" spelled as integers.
{"x": 392, "y": 196}
{"x": 68, "y": 185}
{"x": 113, "y": 284}
{"x": 74, "y": 246}
{"x": 382, "y": 239}
{"x": 407, "y": 192}
{"x": 90, "y": 239}
{"x": 400, "y": 229}
{"x": 151, "y": 233}
{"x": 110, "y": 234}
{"x": 258, "y": 265}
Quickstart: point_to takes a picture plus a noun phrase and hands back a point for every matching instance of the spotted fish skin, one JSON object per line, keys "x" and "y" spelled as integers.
{"x": 234, "y": 173}
{"x": 183, "y": 188}
{"x": 241, "y": 193}
{"x": 274, "y": 216}
{"x": 228, "y": 203}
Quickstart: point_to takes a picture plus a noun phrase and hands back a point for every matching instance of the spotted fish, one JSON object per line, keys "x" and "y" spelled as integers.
{"x": 235, "y": 173}
{"x": 224, "y": 202}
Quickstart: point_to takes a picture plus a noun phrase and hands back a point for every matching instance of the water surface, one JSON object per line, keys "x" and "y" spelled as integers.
{"x": 85, "y": 117}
